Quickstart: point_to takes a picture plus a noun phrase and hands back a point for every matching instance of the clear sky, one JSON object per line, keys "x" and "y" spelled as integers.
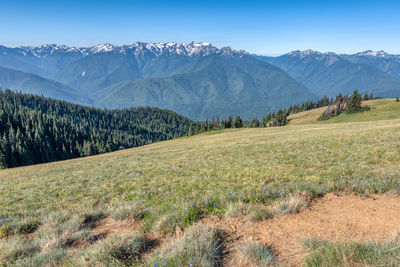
{"x": 263, "y": 27}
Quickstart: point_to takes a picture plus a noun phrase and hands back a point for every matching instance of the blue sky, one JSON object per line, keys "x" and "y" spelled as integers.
{"x": 264, "y": 27}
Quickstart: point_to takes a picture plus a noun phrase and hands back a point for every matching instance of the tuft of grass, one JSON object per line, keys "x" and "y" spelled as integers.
{"x": 236, "y": 209}
{"x": 167, "y": 223}
{"x": 89, "y": 218}
{"x": 326, "y": 253}
{"x": 121, "y": 211}
{"x": 64, "y": 230}
{"x": 258, "y": 213}
{"x": 291, "y": 204}
{"x": 200, "y": 246}
{"x": 52, "y": 257}
{"x": 123, "y": 250}
{"x": 16, "y": 248}
{"x": 257, "y": 254}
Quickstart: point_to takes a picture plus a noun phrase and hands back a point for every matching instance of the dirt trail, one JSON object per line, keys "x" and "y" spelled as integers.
{"x": 335, "y": 218}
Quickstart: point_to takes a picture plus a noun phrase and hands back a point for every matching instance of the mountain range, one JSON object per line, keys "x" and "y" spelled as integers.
{"x": 329, "y": 73}
{"x": 197, "y": 80}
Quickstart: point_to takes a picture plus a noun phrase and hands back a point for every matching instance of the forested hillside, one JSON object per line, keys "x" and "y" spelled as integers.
{"x": 35, "y": 129}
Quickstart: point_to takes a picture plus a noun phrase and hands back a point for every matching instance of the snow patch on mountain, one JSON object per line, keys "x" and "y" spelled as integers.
{"x": 371, "y": 53}
{"x": 157, "y": 49}
{"x": 328, "y": 57}
{"x": 102, "y": 48}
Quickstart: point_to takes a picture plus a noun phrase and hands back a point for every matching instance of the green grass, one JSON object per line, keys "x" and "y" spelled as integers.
{"x": 123, "y": 250}
{"x": 291, "y": 204}
{"x": 326, "y": 253}
{"x": 174, "y": 183}
{"x": 314, "y": 158}
{"x": 258, "y": 254}
{"x": 259, "y": 213}
{"x": 200, "y": 246}
{"x": 381, "y": 109}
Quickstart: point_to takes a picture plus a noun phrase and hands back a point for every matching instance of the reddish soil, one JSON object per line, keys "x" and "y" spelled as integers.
{"x": 111, "y": 227}
{"x": 334, "y": 218}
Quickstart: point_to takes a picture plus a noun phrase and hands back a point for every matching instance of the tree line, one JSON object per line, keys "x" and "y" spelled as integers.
{"x": 345, "y": 104}
{"x": 279, "y": 118}
{"x": 34, "y": 129}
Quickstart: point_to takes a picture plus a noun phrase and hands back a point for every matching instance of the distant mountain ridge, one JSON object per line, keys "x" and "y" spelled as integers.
{"x": 188, "y": 49}
{"x": 379, "y": 59}
{"x": 330, "y": 73}
{"x": 197, "y": 80}
{"x": 34, "y": 84}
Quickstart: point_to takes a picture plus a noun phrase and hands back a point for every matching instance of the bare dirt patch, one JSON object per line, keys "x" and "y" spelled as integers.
{"x": 110, "y": 227}
{"x": 335, "y": 218}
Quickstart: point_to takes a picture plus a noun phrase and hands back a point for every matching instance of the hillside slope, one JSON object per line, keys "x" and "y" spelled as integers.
{"x": 231, "y": 159}
{"x": 33, "y": 84}
{"x": 381, "y": 109}
{"x": 255, "y": 185}
{"x": 35, "y": 129}
{"x": 380, "y": 60}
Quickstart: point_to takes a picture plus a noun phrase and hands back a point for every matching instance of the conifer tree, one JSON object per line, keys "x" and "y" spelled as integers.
{"x": 3, "y": 162}
{"x": 229, "y": 122}
{"x": 191, "y": 129}
{"x": 354, "y": 103}
{"x": 255, "y": 123}
{"x": 238, "y": 122}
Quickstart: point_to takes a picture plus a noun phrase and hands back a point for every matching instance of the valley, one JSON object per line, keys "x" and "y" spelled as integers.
{"x": 196, "y": 80}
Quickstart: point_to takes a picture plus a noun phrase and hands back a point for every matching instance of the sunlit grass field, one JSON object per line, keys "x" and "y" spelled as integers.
{"x": 177, "y": 182}
{"x": 381, "y": 109}
{"x": 212, "y": 165}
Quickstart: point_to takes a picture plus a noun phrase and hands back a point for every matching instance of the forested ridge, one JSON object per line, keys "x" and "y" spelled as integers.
{"x": 34, "y": 129}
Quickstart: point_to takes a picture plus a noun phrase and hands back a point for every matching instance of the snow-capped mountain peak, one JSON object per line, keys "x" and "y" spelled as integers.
{"x": 304, "y": 53}
{"x": 102, "y": 48}
{"x": 187, "y": 49}
{"x": 371, "y": 53}
{"x": 328, "y": 58}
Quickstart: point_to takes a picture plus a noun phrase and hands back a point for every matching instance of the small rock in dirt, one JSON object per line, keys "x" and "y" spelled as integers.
{"x": 178, "y": 231}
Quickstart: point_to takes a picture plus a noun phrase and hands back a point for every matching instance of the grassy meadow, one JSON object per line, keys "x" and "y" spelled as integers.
{"x": 184, "y": 179}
